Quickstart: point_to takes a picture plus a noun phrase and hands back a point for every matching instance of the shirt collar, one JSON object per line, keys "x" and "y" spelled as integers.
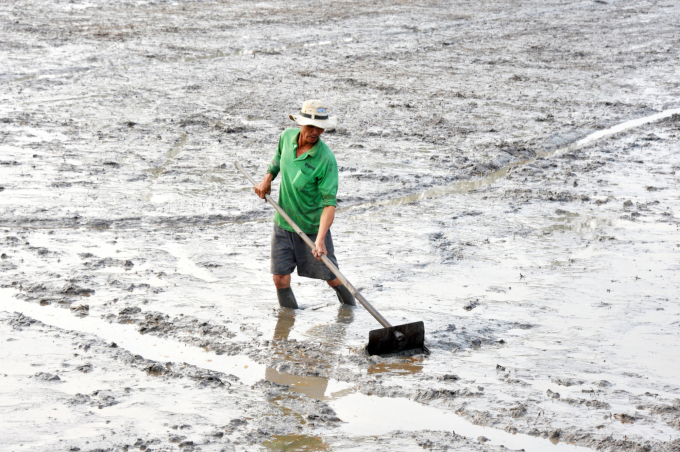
{"x": 311, "y": 153}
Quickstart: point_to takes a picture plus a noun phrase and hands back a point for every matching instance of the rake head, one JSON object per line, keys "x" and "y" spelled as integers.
{"x": 399, "y": 338}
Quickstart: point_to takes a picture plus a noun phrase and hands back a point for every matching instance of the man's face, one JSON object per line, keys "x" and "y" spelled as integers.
{"x": 310, "y": 134}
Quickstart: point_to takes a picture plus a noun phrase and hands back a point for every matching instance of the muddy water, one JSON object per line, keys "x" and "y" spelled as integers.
{"x": 509, "y": 177}
{"x": 376, "y": 416}
{"x": 128, "y": 336}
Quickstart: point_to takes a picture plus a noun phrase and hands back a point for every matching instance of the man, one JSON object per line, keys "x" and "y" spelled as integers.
{"x": 309, "y": 184}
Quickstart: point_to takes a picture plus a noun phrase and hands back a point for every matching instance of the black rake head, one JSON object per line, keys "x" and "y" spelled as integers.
{"x": 396, "y": 339}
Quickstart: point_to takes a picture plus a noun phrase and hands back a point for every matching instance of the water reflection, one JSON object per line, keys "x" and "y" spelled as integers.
{"x": 312, "y": 386}
{"x": 332, "y": 336}
{"x": 345, "y": 314}
{"x": 295, "y": 443}
{"x": 284, "y": 324}
{"x": 403, "y": 366}
{"x": 568, "y": 221}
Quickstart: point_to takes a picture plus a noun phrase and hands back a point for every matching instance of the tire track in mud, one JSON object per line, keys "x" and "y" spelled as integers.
{"x": 485, "y": 181}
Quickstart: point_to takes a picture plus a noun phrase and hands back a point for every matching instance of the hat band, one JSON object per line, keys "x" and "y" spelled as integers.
{"x": 305, "y": 115}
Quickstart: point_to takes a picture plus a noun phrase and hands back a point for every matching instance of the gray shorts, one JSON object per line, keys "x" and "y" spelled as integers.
{"x": 290, "y": 251}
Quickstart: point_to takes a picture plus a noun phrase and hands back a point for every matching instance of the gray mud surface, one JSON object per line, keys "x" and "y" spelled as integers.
{"x": 136, "y": 307}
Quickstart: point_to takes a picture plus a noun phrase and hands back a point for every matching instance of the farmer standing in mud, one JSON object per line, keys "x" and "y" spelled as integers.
{"x": 309, "y": 184}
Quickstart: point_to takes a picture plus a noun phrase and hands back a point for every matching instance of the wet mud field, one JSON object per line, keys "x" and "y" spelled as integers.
{"x": 508, "y": 174}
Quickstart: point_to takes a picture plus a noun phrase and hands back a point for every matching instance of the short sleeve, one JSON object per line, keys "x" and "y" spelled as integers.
{"x": 275, "y": 164}
{"x": 328, "y": 183}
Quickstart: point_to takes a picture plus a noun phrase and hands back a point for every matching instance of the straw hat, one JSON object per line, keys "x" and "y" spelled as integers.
{"x": 314, "y": 113}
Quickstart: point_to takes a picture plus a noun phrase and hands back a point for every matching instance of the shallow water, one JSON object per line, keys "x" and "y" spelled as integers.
{"x": 128, "y": 336}
{"x": 368, "y": 415}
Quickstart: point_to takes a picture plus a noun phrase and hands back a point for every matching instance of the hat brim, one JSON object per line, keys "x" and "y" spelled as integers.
{"x": 329, "y": 123}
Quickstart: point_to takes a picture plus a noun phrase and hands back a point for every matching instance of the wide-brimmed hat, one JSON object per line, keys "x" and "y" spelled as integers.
{"x": 314, "y": 113}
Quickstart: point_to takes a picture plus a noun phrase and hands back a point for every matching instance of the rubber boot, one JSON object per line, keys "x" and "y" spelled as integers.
{"x": 286, "y": 298}
{"x": 344, "y": 295}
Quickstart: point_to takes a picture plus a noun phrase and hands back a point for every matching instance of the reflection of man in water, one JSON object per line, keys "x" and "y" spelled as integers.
{"x": 314, "y": 387}
{"x": 309, "y": 184}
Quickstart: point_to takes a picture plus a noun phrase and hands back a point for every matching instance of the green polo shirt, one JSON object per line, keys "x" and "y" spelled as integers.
{"x": 308, "y": 183}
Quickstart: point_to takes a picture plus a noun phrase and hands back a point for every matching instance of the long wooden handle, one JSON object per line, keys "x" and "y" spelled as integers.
{"x": 324, "y": 259}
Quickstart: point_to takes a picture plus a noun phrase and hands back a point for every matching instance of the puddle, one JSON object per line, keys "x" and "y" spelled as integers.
{"x": 633, "y": 123}
{"x": 284, "y": 324}
{"x": 403, "y": 367}
{"x": 581, "y": 224}
{"x": 286, "y": 443}
{"x": 138, "y": 403}
{"x": 370, "y": 415}
{"x": 313, "y": 387}
{"x": 188, "y": 266}
{"x": 150, "y": 347}
{"x": 456, "y": 187}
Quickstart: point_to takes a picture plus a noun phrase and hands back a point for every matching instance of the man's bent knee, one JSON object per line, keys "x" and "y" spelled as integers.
{"x": 281, "y": 281}
{"x": 334, "y": 282}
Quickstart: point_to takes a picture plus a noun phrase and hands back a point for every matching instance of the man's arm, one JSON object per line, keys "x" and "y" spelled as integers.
{"x": 265, "y": 186}
{"x": 327, "y": 217}
{"x": 328, "y": 186}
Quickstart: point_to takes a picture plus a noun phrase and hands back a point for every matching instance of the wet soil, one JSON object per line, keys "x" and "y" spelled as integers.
{"x": 484, "y": 189}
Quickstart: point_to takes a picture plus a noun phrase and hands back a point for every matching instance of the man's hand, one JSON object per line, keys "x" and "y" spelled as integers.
{"x": 320, "y": 247}
{"x": 325, "y": 223}
{"x": 265, "y": 186}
